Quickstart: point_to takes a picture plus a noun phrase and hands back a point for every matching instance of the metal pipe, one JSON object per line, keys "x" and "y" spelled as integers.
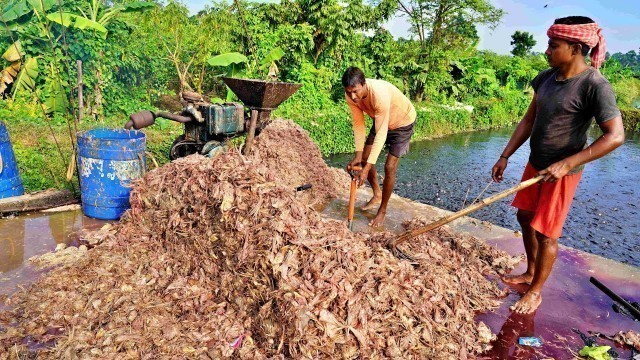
{"x": 632, "y": 309}
{"x": 174, "y": 117}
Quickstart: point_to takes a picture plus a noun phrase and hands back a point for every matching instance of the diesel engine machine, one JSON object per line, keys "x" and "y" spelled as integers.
{"x": 208, "y": 125}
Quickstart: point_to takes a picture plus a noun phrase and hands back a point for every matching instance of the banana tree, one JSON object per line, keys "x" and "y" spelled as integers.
{"x": 55, "y": 98}
{"x": 270, "y": 60}
{"x": 103, "y": 18}
{"x": 97, "y": 16}
{"x": 14, "y": 11}
{"x": 233, "y": 64}
{"x": 21, "y": 73}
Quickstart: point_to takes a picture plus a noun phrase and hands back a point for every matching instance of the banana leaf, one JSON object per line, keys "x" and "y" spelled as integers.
{"x": 227, "y": 59}
{"x": 14, "y": 52}
{"x": 79, "y": 22}
{"x": 273, "y": 55}
{"x": 26, "y": 79}
{"x": 14, "y": 10}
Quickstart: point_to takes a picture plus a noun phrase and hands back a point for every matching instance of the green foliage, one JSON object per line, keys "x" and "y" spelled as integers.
{"x": 627, "y": 92}
{"x": 522, "y": 42}
{"x": 614, "y": 71}
{"x": 26, "y": 79}
{"x": 233, "y": 63}
{"x": 274, "y": 55}
{"x": 630, "y": 60}
{"x": 227, "y": 59}
{"x": 17, "y": 9}
{"x": 631, "y": 118}
{"x": 595, "y": 352}
{"x": 8, "y": 74}
{"x": 79, "y": 22}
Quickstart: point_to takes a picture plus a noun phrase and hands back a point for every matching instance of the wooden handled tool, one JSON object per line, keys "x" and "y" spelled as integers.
{"x": 354, "y": 172}
{"x": 447, "y": 219}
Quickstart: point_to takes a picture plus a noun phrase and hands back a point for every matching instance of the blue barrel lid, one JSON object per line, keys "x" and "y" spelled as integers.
{"x": 111, "y": 134}
{"x": 113, "y": 144}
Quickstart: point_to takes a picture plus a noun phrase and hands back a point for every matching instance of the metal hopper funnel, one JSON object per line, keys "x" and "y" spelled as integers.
{"x": 261, "y": 97}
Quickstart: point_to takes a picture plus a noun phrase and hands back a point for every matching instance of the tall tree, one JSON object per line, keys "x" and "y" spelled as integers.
{"x": 433, "y": 20}
{"x": 442, "y": 28}
{"x": 334, "y": 21}
{"x": 522, "y": 42}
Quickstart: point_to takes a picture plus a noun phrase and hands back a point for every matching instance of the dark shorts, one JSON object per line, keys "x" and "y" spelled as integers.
{"x": 397, "y": 139}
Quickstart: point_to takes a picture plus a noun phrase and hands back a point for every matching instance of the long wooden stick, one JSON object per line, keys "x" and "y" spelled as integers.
{"x": 352, "y": 203}
{"x": 352, "y": 195}
{"x": 447, "y": 219}
{"x": 251, "y": 133}
{"x": 80, "y": 98}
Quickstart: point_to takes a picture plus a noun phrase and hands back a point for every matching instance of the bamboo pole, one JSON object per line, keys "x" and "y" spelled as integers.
{"x": 80, "y": 85}
{"x": 447, "y": 219}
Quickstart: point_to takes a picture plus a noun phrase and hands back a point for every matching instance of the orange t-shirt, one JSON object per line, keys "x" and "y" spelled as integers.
{"x": 387, "y": 106}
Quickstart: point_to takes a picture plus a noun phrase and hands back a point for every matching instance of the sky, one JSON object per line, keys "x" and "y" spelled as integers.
{"x": 619, "y": 19}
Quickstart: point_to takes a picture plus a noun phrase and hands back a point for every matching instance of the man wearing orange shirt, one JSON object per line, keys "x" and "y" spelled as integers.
{"x": 394, "y": 117}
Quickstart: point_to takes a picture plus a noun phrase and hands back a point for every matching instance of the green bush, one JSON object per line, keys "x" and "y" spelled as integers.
{"x": 627, "y": 92}
{"x": 435, "y": 120}
{"x": 631, "y": 118}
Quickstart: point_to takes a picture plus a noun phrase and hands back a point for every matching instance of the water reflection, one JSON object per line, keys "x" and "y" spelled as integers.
{"x": 29, "y": 235}
{"x": 505, "y": 346}
{"x": 11, "y": 244}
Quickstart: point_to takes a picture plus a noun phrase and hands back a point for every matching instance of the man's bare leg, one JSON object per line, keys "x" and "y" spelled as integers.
{"x": 530, "y": 247}
{"x": 390, "y": 168}
{"x": 546, "y": 257}
{"x": 372, "y": 177}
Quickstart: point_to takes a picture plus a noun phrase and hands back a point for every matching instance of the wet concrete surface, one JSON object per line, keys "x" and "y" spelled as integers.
{"x": 452, "y": 171}
{"x": 34, "y": 234}
{"x": 569, "y": 299}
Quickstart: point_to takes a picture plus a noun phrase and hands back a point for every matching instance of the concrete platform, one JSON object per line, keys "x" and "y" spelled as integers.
{"x": 39, "y": 200}
{"x": 569, "y": 299}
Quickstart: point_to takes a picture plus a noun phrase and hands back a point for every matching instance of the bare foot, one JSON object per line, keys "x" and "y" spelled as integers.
{"x": 525, "y": 278}
{"x": 375, "y": 201}
{"x": 528, "y": 303}
{"x": 378, "y": 220}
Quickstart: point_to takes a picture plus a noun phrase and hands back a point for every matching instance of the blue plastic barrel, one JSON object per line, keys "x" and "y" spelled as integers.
{"x": 108, "y": 159}
{"x": 10, "y": 182}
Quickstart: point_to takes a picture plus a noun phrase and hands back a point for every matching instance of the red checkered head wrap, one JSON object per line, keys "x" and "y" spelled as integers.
{"x": 588, "y": 34}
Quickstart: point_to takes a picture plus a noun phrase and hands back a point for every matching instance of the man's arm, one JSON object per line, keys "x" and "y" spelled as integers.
{"x": 612, "y": 137}
{"x": 359, "y": 131}
{"x": 519, "y": 136}
{"x": 381, "y": 120}
{"x": 383, "y": 111}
